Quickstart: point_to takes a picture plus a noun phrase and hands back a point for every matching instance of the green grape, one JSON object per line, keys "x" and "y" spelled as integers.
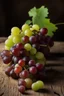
{"x": 28, "y": 82}
{"x": 22, "y": 34}
{"x": 40, "y": 84}
{"x": 10, "y": 37}
{"x": 25, "y": 27}
{"x": 9, "y": 43}
{"x": 35, "y": 27}
{"x": 7, "y": 48}
{"x": 39, "y": 55}
{"x": 41, "y": 61}
{"x": 33, "y": 51}
{"x": 15, "y": 31}
{"x": 35, "y": 86}
{"x": 27, "y": 46}
{"x": 16, "y": 39}
{"x": 28, "y": 32}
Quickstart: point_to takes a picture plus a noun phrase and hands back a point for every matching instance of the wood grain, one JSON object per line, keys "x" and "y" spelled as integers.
{"x": 54, "y": 83}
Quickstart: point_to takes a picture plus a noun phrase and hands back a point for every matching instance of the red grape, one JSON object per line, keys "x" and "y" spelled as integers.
{"x": 16, "y": 52}
{"x": 25, "y": 39}
{"x": 24, "y": 74}
{"x": 31, "y": 63}
{"x": 32, "y": 39}
{"x": 39, "y": 66}
{"x": 21, "y": 89}
{"x": 43, "y": 31}
{"x": 21, "y": 62}
{"x": 19, "y": 46}
{"x": 7, "y": 60}
{"x": 21, "y": 82}
{"x": 33, "y": 70}
{"x": 18, "y": 69}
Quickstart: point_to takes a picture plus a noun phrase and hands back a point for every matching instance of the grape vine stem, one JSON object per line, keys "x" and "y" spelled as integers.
{"x": 59, "y": 24}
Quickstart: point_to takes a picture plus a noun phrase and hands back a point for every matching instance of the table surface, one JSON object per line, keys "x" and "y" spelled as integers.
{"x": 54, "y": 85}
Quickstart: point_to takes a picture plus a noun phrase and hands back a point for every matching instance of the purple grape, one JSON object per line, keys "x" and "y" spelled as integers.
{"x": 7, "y": 60}
{"x": 33, "y": 70}
{"x": 26, "y": 59}
{"x": 32, "y": 39}
{"x": 43, "y": 31}
{"x": 31, "y": 63}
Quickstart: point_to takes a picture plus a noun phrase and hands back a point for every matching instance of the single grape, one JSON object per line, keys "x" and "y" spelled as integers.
{"x": 21, "y": 89}
{"x": 20, "y": 46}
{"x": 21, "y": 62}
{"x": 25, "y": 27}
{"x": 25, "y": 39}
{"x": 39, "y": 66}
{"x": 35, "y": 27}
{"x": 33, "y": 51}
{"x": 33, "y": 70}
{"x": 39, "y": 55}
{"x": 24, "y": 74}
{"x": 9, "y": 43}
{"x": 31, "y": 63}
{"x": 10, "y": 37}
{"x": 27, "y": 46}
{"x": 22, "y": 34}
{"x": 40, "y": 84}
{"x": 28, "y": 82}
{"x": 28, "y": 32}
{"x": 15, "y": 31}
{"x": 35, "y": 86}
{"x": 7, "y": 60}
{"x": 32, "y": 39}
{"x": 43, "y": 31}
{"x": 16, "y": 52}
{"x": 16, "y": 39}
{"x": 21, "y": 82}
{"x": 18, "y": 69}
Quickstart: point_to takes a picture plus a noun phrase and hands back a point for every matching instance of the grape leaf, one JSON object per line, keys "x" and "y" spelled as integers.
{"x": 39, "y": 16}
{"x": 32, "y": 12}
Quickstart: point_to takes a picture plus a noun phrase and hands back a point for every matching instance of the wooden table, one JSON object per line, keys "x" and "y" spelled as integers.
{"x": 54, "y": 85}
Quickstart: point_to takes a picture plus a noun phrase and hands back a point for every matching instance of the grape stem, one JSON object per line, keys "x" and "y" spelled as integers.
{"x": 59, "y": 24}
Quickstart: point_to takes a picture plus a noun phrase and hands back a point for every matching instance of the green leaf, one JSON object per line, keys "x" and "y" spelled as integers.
{"x": 39, "y": 16}
{"x": 28, "y": 22}
{"x": 32, "y": 12}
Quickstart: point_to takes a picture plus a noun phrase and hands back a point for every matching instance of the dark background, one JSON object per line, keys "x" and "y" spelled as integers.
{"x": 15, "y": 13}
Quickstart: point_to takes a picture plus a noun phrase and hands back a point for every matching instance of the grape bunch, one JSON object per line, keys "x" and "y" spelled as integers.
{"x": 25, "y": 54}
